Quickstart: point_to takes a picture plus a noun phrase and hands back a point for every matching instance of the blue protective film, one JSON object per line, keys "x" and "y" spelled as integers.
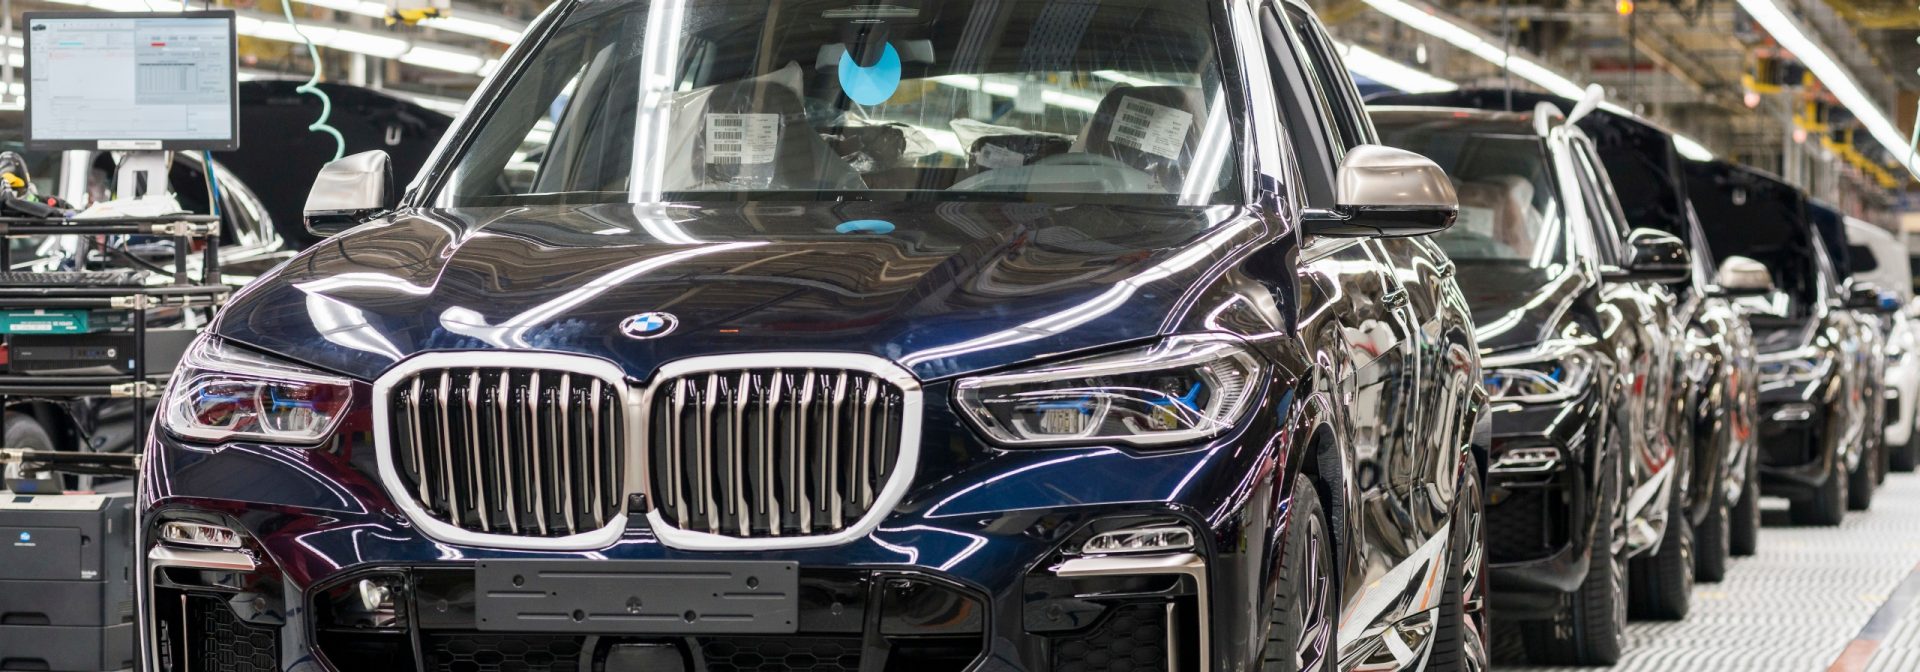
{"x": 870, "y": 86}
{"x": 865, "y": 226}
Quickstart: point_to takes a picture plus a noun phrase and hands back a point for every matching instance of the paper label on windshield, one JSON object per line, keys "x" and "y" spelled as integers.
{"x": 1476, "y": 221}
{"x": 1150, "y": 127}
{"x": 995, "y": 156}
{"x": 736, "y": 139}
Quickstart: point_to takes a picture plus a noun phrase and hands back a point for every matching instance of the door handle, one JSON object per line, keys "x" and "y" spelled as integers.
{"x": 1395, "y": 299}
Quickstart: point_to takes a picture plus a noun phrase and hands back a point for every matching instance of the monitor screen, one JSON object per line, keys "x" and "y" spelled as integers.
{"x": 130, "y": 81}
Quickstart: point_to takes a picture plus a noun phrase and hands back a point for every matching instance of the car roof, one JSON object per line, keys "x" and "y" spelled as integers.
{"x": 1454, "y": 118}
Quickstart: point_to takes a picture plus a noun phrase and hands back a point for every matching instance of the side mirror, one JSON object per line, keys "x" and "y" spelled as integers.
{"x": 1866, "y": 296}
{"x": 1387, "y": 192}
{"x": 1741, "y": 276}
{"x": 1654, "y": 256}
{"x": 348, "y": 190}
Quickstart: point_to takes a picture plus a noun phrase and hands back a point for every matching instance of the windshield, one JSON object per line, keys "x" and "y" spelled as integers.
{"x": 799, "y": 100}
{"x": 1760, "y": 218}
{"x": 1509, "y": 211}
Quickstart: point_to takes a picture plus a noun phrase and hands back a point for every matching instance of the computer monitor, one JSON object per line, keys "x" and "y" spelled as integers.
{"x": 132, "y": 81}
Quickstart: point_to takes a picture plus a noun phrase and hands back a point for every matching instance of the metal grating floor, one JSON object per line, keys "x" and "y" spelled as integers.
{"x": 1799, "y": 603}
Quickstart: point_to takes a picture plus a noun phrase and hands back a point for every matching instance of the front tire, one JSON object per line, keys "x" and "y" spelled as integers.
{"x": 1458, "y": 635}
{"x": 1592, "y": 629}
{"x": 1301, "y": 627}
{"x": 1743, "y": 537}
{"x": 1862, "y": 481}
{"x": 1826, "y": 506}
{"x": 1662, "y": 583}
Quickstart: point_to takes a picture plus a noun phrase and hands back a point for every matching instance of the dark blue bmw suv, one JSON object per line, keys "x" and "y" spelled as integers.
{"x": 805, "y": 334}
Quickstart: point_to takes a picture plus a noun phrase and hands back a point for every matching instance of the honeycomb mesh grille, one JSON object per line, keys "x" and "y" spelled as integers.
{"x": 1133, "y": 638}
{"x": 1523, "y": 526}
{"x": 502, "y": 653}
{"x": 780, "y": 654}
{"x": 224, "y": 643}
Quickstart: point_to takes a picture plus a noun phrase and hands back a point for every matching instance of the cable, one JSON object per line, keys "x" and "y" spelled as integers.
{"x": 213, "y": 183}
{"x": 326, "y": 104}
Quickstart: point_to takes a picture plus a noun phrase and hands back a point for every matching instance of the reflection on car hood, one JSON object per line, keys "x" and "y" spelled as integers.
{"x": 1515, "y": 306}
{"x": 956, "y": 287}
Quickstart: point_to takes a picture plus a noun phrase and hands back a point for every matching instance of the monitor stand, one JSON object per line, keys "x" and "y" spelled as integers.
{"x": 141, "y": 188}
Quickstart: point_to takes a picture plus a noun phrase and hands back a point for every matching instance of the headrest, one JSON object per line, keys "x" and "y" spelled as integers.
{"x": 1152, "y": 128}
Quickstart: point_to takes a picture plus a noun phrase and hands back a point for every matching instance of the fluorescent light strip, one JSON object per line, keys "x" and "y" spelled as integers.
{"x": 1466, "y": 39}
{"x": 343, "y": 39}
{"x": 498, "y": 29}
{"x": 1790, "y": 34}
{"x": 1391, "y": 73}
{"x": 1430, "y": 22}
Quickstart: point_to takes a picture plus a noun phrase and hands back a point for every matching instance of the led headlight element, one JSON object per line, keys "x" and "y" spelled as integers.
{"x": 199, "y": 534}
{"x": 1185, "y": 388}
{"x": 223, "y": 393}
{"x": 1160, "y": 539}
{"x": 1555, "y": 372}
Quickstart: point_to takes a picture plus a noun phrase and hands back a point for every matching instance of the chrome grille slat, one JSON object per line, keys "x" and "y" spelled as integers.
{"x": 769, "y": 470}
{"x": 771, "y": 452}
{"x": 482, "y": 504}
{"x": 737, "y": 456}
{"x": 514, "y": 451}
{"x": 504, "y": 438}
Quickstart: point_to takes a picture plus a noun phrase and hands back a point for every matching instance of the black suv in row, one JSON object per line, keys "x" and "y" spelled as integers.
{"x": 927, "y": 335}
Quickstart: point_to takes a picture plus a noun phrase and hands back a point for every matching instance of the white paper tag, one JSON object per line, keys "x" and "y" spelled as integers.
{"x": 996, "y": 157}
{"x": 1150, "y": 127}
{"x": 734, "y": 139}
{"x": 1477, "y": 221}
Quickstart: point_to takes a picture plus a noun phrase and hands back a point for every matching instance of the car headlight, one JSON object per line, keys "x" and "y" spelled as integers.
{"x": 1185, "y": 388}
{"x": 1554, "y": 372}
{"x": 222, "y": 393}
{"x": 1799, "y": 365}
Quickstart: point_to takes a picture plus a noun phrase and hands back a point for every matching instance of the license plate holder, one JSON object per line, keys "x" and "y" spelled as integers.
{"x": 652, "y": 597}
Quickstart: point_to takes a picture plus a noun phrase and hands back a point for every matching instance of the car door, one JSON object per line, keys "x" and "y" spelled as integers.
{"x": 1636, "y": 320}
{"x": 1362, "y": 315}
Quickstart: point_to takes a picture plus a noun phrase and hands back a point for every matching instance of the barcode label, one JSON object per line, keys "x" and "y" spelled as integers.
{"x": 742, "y": 139}
{"x": 1150, "y": 127}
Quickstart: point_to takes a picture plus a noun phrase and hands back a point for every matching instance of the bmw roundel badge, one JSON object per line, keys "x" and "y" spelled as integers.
{"x": 649, "y": 325}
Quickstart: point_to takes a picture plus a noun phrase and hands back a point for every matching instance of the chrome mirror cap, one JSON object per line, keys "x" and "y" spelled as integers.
{"x": 1741, "y": 276}
{"x": 1387, "y": 192}
{"x": 348, "y": 189}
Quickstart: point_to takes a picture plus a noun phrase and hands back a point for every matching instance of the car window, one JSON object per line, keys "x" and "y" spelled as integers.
{"x": 1330, "y": 74}
{"x": 1303, "y": 113}
{"x": 1863, "y": 260}
{"x": 1510, "y": 209}
{"x": 1120, "y": 101}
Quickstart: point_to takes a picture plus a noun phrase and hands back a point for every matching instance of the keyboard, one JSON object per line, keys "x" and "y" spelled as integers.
{"x": 119, "y": 278}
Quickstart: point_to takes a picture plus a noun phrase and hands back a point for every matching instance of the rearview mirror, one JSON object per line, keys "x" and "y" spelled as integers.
{"x": 1387, "y": 192}
{"x": 1654, "y": 256}
{"x": 348, "y": 190}
{"x": 1741, "y": 276}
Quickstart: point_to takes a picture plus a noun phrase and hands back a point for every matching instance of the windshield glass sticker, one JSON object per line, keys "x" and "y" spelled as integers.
{"x": 737, "y": 139}
{"x": 873, "y": 85}
{"x": 1150, "y": 127}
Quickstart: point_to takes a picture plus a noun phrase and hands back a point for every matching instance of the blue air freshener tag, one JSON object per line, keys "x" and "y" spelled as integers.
{"x": 871, "y": 86}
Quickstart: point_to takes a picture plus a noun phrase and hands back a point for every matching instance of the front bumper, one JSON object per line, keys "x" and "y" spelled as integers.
{"x": 1796, "y": 450}
{"x": 1902, "y": 395}
{"x": 969, "y": 568}
{"x": 1540, "y": 511}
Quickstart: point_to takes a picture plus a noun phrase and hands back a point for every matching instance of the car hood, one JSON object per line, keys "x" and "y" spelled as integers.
{"x": 954, "y": 288}
{"x": 1512, "y": 306}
